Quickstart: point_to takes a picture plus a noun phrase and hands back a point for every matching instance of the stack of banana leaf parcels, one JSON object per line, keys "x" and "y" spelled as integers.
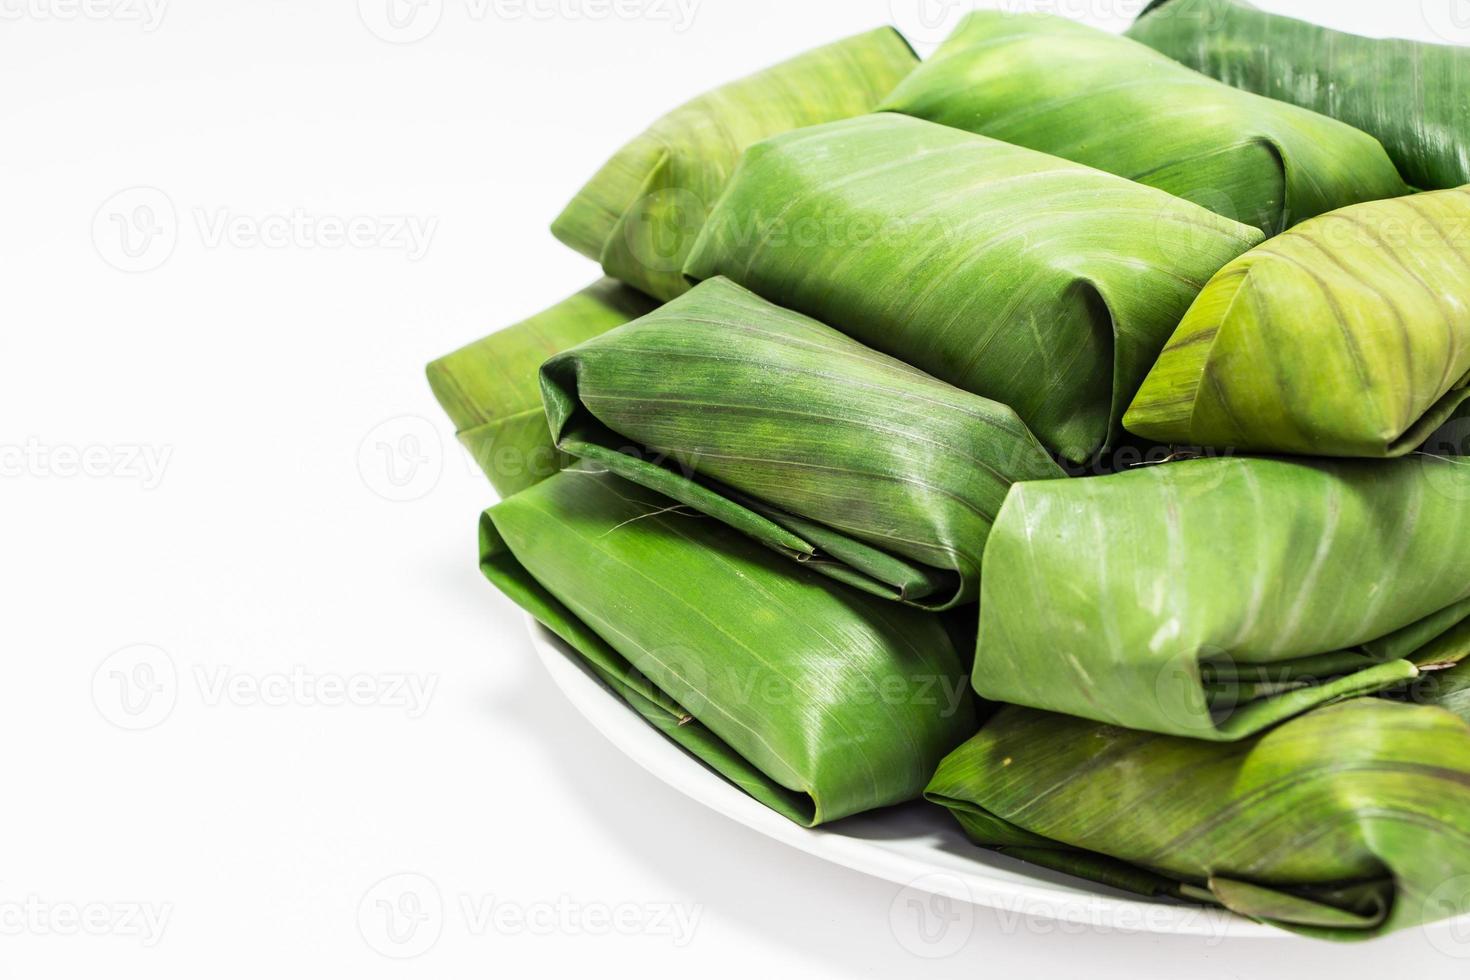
{"x": 1062, "y": 430}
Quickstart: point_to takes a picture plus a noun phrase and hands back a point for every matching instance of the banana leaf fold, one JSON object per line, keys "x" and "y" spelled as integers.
{"x": 491, "y": 392}
{"x": 1411, "y": 95}
{"x": 1213, "y": 598}
{"x": 1067, "y": 89}
{"x": 1450, "y": 688}
{"x": 816, "y": 699}
{"x": 849, "y": 461}
{"x": 1038, "y": 283}
{"x": 1348, "y": 822}
{"x": 641, "y": 211}
{"x": 1346, "y": 336}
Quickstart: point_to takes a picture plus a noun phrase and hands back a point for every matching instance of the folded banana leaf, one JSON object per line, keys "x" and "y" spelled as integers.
{"x": 1409, "y": 94}
{"x": 639, "y": 214}
{"x": 1448, "y": 689}
{"x": 1348, "y": 822}
{"x": 1122, "y": 107}
{"x": 1215, "y": 597}
{"x": 490, "y": 389}
{"x": 1346, "y": 336}
{"x": 849, "y": 461}
{"x": 1042, "y": 284}
{"x": 1444, "y": 663}
{"x": 816, "y": 699}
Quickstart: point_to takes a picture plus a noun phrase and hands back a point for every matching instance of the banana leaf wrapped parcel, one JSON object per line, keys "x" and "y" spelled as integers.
{"x": 1120, "y": 106}
{"x": 816, "y": 699}
{"x": 490, "y": 389}
{"x": 1409, "y": 94}
{"x": 1348, "y": 822}
{"x": 1213, "y": 598}
{"x": 639, "y": 214}
{"x": 1038, "y": 283}
{"x": 831, "y": 453}
{"x": 1349, "y": 335}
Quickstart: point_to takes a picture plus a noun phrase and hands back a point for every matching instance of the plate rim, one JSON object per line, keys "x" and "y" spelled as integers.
{"x": 672, "y": 765}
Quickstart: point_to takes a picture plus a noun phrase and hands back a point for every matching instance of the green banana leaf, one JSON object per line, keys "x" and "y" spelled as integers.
{"x": 1042, "y": 284}
{"x": 1346, "y": 336}
{"x": 849, "y": 461}
{"x": 1409, "y": 94}
{"x": 1122, "y": 107}
{"x": 816, "y": 699}
{"x": 1444, "y": 663}
{"x": 639, "y": 214}
{"x": 1348, "y": 822}
{"x": 490, "y": 389}
{"x": 1448, "y": 689}
{"x": 1215, "y": 597}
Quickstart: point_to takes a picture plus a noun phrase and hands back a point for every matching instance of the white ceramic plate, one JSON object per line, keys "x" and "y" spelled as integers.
{"x": 916, "y": 846}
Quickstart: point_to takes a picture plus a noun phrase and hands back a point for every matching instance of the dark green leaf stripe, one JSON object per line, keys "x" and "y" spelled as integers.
{"x": 639, "y": 214}
{"x": 490, "y": 389}
{"x": 817, "y": 700}
{"x": 1347, "y": 336}
{"x": 1350, "y": 821}
{"x": 1409, "y": 94}
{"x": 1213, "y": 598}
{"x": 1070, "y": 90}
{"x": 1039, "y": 283}
{"x": 722, "y": 398}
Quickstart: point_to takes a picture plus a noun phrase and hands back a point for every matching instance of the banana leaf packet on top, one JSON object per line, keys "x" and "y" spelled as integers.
{"x": 1082, "y": 94}
{"x": 854, "y": 463}
{"x": 1213, "y": 598}
{"x": 816, "y": 699}
{"x": 1413, "y": 96}
{"x": 1347, "y": 336}
{"x": 490, "y": 389}
{"x": 641, "y": 211}
{"x": 1345, "y": 823}
{"x": 1039, "y": 283}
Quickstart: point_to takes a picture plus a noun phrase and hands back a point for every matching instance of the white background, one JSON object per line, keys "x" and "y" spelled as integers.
{"x": 270, "y": 494}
